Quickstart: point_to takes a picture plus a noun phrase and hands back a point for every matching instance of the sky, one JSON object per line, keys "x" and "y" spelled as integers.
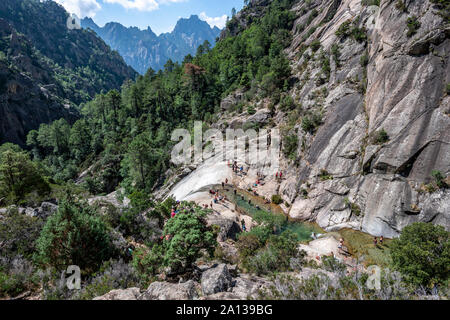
{"x": 160, "y": 15}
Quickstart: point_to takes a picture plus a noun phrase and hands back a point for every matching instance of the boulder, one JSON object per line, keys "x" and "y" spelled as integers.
{"x": 215, "y": 280}
{"x": 170, "y": 291}
{"x": 228, "y": 229}
{"x": 128, "y": 294}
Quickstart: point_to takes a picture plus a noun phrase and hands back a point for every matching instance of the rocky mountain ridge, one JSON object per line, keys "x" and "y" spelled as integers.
{"x": 143, "y": 49}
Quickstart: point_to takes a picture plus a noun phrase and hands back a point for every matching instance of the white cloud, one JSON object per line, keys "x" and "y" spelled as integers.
{"x": 143, "y": 5}
{"x": 215, "y": 21}
{"x": 82, "y": 8}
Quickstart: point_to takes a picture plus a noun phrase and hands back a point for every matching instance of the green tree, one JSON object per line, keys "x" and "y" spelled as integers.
{"x": 188, "y": 234}
{"x": 422, "y": 254}
{"x": 19, "y": 175}
{"x": 75, "y": 235}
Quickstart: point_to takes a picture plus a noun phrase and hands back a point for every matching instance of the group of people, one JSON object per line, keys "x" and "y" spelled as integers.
{"x": 175, "y": 209}
{"x": 217, "y": 197}
{"x": 279, "y": 175}
{"x": 236, "y": 168}
{"x": 375, "y": 240}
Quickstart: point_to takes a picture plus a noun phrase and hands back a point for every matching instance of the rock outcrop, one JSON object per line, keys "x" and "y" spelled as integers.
{"x": 170, "y": 291}
{"x": 127, "y": 294}
{"x": 215, "y": 280}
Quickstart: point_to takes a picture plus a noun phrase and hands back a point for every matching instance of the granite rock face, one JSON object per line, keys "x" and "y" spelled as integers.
{"x": 386, "y": 80}
{"x": 405, "y": 96}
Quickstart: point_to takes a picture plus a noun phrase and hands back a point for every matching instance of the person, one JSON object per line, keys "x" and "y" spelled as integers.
{"x": 341, "y": 243}
{"x": 381, "y": 240}
{"x": 281, "y": 175}
{"x": 235, "y": 192}
{"x": 173, "y": 214}
{"x": 226, "y": 181}
{"x": 375, "y": 241}
{"x": 276, "y": 176}
{"x": 243, "y": 225}
{"x": 223, "y": 185}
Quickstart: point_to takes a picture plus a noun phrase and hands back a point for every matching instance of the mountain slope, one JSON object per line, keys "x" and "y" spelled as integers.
{"x": 47, "y": 69}
{"x": 365, "y": 122}
{"x": 143, "y": 49}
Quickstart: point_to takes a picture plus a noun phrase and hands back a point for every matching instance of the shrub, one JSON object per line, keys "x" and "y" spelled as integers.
{"x": 290, "y": 146}
{"x": 344, "y": 29}
{"x": 325, "y": 175}
{"x": 112, "y": 275}
{"x": 422, "y": 254}
{"x": 251, "y": 110}
{"x": 439, "y": 179}
{"x": 287, "y": 103}
{"x": 315, "y": 45}
{"x": 311, "y": 122}
{"x": 75, "y": 235}
{"x": 400, "y": 5}
{"x": 147, "y": 263}
{"x": 380, "y": 137}
{"x": 413, "y": 25}
{"x": 276, "y": 255}
{"x": 18, "y": 233}
{"x": 276, "y": 199}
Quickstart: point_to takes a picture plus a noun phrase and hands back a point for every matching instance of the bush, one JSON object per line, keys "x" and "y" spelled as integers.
{"x": 422, "y": 254}
{"x": 400, "y": 5}
{"x": 276, "y": 255}
{"x": 413, "y": 25}
{"x": 147, "y": 263}
{"x": 315, "y": 45}
{"x": 290, "y": 146}
{"x": 112, "y": 275}
{"x": 311, "y": 122}
{"x": 439, "y": 179}
{"x": 75, "y": 235}
{"x": 18, "y": 233}
{"x": 251, "y": 110}
{"x": 380, "y": 137}
{"x": 287, "y": 103}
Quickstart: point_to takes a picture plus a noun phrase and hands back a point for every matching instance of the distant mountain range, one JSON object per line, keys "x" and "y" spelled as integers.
{"x": 143, "y": 49}
{"x": 46, "y": 70}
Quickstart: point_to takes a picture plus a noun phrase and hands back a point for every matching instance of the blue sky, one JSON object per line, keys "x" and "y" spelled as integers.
{"x": 160, "y": 15}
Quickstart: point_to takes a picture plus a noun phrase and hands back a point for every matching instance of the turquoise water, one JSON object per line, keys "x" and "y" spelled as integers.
{"x": 303, "y": 230}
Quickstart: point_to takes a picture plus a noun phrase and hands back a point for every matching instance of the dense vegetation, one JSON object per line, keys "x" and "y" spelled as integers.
{"x": 78, "y": 62}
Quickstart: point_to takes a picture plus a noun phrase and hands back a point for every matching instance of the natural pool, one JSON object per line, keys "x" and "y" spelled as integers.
{"x": 257, "y": 206}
